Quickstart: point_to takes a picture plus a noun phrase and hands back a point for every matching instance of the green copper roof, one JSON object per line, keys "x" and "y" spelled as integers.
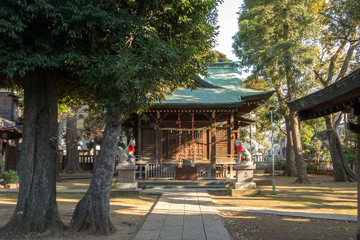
{"x": 224, "y": 76}
{"x": 225, "y": 88}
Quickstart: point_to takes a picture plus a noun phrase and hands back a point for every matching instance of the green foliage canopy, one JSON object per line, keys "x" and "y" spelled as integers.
{"x": 272, "y": 39}
{"x": 122, "y": 54}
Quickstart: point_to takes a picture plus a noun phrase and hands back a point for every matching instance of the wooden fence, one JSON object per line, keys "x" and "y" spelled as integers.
{"x": 168, "y": 171}
{"x": 224, "y": 167}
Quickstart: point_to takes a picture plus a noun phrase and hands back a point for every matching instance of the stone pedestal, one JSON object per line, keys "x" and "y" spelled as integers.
{"x": 126, "y": 177}
{"x": 245, "y": 184}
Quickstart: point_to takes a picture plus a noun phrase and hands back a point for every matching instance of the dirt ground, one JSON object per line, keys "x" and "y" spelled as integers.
{"x": 323, "y": 195}
{"x": 126, "y": 213}
{"x": 261, "y": 227}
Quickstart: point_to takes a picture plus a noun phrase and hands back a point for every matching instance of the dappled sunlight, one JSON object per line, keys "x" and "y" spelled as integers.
{"x": 73, "y": 184}
{"x": 132, "y": 210}
{"x": 252, "y": 225}
{"x": 67, "y": 200}
{"x": 8, "y": 201}
{"x": 244, "y": 217}
{"x": 138, "y": 206}
{"x": 296, "y": 219}
{"x": 323, "y": 195}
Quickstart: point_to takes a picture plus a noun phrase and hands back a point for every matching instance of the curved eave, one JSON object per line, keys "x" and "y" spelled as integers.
{"x": 259, "y": 96}
{"x": 338, "y": 96}
{"x": 197, "y": 105}
{"x": 244, "y": 122}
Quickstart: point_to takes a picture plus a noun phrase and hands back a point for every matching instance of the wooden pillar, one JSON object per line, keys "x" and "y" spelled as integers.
{"x": 139, "y": 140}
{"x": 158, "y": 138}
{"x": 162, "y": 140}
{"x": 232, "y": 136}
{"x": 213, "y": 140}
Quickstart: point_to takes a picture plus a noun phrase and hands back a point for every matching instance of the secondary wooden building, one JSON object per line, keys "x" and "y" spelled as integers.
{"x": 343, "y": 95}
{"x": 196, "y": 127}
{"x": 10, "y": 131}
{"x": 10, "y": 136}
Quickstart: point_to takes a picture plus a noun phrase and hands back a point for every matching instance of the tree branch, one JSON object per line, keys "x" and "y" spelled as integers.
{"x": 332, "y": 63}
{"x": 323, "y": 82}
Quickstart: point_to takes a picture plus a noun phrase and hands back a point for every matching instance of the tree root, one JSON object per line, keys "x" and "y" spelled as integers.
{"x": 90, "y": 220}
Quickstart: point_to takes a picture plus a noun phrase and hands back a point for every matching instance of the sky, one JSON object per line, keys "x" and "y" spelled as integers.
{"x": 227, "y": 20}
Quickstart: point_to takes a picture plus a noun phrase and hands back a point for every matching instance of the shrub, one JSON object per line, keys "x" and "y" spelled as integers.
{"x": 279, "y": 163}
{"x": 10, "y": 177}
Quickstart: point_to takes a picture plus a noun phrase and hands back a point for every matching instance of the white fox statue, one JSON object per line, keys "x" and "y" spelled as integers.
{"x": 243, "y": 154}
{"x": 126, "y": 155}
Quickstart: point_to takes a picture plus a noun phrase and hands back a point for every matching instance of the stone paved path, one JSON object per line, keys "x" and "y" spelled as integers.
{"x": 183, "y": 214}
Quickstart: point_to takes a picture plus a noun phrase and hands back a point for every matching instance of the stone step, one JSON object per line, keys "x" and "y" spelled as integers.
{"x": 184, "y": 186}
{"x": 184, "y": 183}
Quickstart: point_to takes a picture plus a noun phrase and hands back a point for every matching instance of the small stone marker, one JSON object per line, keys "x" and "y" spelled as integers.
{"x": 245, "y": 184}
{"x": 126, "y": 179}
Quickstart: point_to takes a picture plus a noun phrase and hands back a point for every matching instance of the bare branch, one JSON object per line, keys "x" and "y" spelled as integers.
{"x": 323, "y": 82}
{"x": 332, "y": 62}
{"x": 347, "y": 60}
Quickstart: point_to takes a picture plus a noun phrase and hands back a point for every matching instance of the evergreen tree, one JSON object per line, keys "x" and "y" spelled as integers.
{"x": 272, "y": 39}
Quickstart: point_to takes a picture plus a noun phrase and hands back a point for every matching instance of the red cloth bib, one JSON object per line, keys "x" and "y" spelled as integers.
{"x": 242, "y": 159}
{"x": 239, "y": 149}
{"x": 131, "y": 148}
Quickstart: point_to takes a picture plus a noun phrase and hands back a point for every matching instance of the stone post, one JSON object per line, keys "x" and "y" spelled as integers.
{"x": 126, "y": 177}
{"x": 245, "y": 184}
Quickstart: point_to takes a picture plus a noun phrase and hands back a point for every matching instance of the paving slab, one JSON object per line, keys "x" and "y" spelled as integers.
{"x": 189, "y": 215}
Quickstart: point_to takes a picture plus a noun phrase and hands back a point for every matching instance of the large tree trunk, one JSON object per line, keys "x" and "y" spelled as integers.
{"x": 92, "y": 212}
{"x": 36, "y": 209}
{"x": 302, "y": 176}
{"x": 290, "y": 167}
{"x": 72, "y": 152}
{"x": 342, "y": 171}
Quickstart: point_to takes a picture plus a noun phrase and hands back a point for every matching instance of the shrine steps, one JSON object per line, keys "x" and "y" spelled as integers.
{"x": 180, "y": 184}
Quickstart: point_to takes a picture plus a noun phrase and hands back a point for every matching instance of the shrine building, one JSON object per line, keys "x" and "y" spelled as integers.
{"x": 198, "y": 127}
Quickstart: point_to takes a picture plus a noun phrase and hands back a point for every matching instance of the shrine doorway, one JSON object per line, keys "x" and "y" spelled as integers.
{"x": 199, "y": 146}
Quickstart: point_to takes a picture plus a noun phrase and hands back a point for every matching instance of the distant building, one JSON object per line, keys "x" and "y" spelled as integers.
{"x": 10, "y": 130}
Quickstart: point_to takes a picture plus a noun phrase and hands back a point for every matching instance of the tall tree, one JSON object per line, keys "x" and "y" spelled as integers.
{"x": 271, "y": 39}
{"x": 337, "y": 43}
{"x": 220, "y": 57}
{"x": 167, "y": 44}
{"x": 126, "y": 54}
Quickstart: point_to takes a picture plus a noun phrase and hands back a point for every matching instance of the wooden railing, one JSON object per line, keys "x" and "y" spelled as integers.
{"x": 204, "y": 171}
{"x": 156, "y": 171}
{"x": 168, "y": 171}
{"x": 151, "y": 170}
